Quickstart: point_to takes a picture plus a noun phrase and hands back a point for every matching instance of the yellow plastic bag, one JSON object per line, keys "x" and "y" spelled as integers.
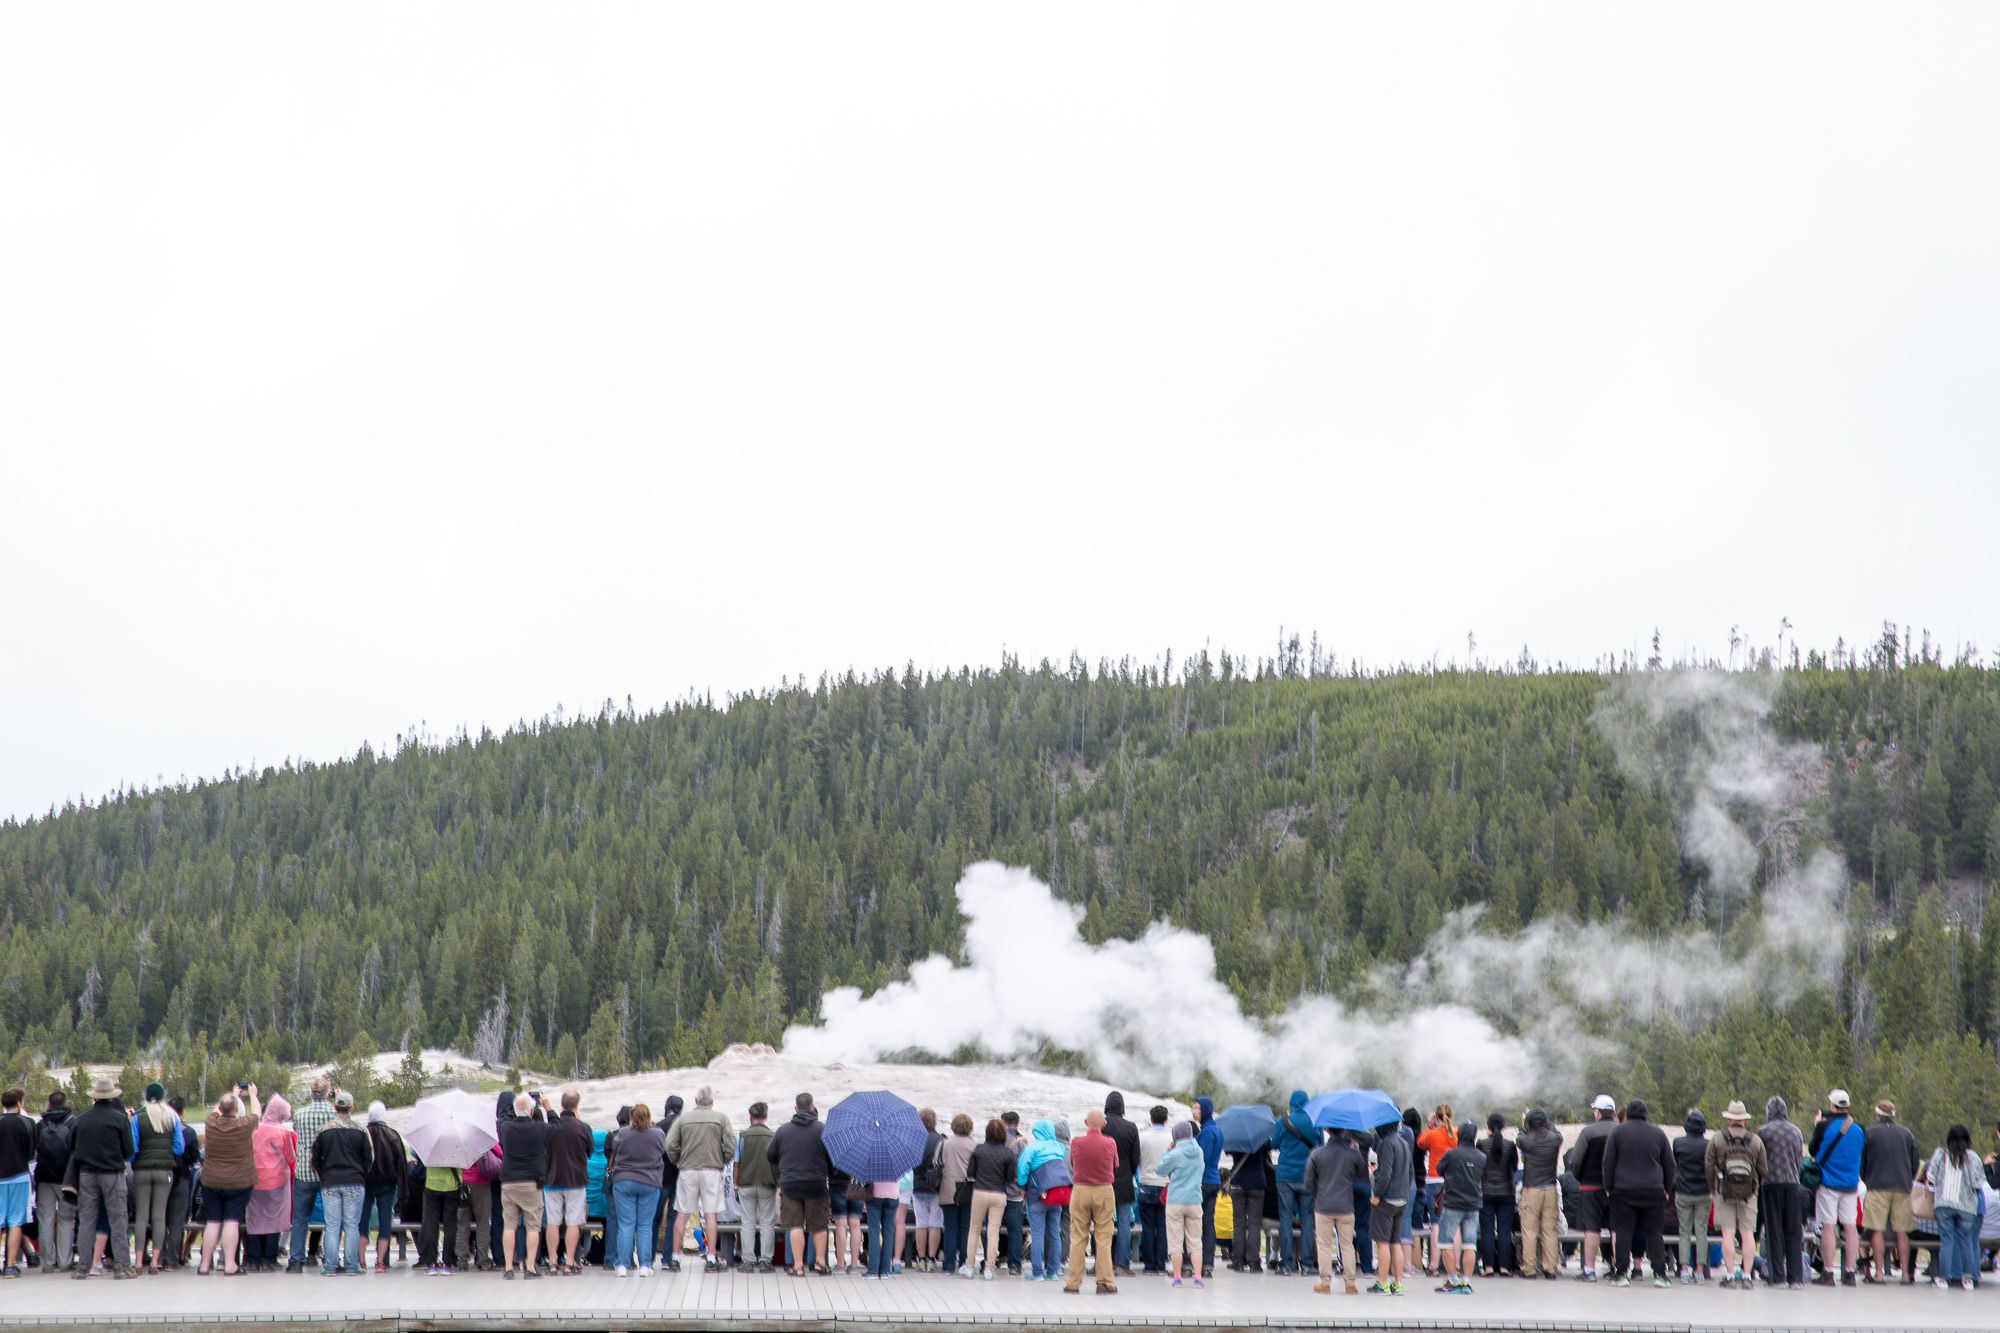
{"x": 1225, "y": 1216}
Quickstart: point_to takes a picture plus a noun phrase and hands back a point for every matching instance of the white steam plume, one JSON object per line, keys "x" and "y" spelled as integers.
{"x": 1151, "y": 1012}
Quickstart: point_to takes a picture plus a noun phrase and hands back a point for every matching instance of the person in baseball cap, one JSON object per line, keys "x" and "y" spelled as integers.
{"x": 1586, "y": 1159}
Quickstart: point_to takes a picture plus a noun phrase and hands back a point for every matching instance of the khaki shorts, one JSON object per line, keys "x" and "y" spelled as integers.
{"x": 520, "y": 1203}
{"x": 811, "y": 1214}
{"x": 1887, "y": 1210}
{"x": 699, "y": 1191}
{"x": 1832, "y": 1205}
{"x": 1736, "y": 1214}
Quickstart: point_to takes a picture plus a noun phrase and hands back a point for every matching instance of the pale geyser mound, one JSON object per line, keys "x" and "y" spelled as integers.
{"x": 743, "y": 1074}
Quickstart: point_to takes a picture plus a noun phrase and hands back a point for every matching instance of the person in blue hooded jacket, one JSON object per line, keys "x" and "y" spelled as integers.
{"x": 1045, "y": 1204}
{"x": 1295, "y": 1136}
{"x": 1209, "y": 1139}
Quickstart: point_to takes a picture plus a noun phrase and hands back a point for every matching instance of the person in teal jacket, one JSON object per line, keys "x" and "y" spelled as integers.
{"x": 1183, "y": 1167}
{"x": 1295, "y": 1136}
{"x": 1045, "y": 1207}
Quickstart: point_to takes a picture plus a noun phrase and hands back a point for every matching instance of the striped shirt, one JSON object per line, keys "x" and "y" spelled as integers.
{"x": 307, "y": 1122}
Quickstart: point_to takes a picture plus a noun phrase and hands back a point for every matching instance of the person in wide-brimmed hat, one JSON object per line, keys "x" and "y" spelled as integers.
{"x": 1736, "y": 1166}
{"x": 102, "y": 1145}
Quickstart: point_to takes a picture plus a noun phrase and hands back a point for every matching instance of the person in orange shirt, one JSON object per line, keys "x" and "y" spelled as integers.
{"x": 1440, "y": 1136}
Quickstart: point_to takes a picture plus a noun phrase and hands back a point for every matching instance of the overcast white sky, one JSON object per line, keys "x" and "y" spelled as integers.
{"x": 368, "y": 364}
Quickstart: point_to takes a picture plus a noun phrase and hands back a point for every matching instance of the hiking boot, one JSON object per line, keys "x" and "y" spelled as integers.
{"x": 1323, "y": 1288}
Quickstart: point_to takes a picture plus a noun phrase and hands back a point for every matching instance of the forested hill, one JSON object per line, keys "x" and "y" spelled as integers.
{"x": 647, "y": 887}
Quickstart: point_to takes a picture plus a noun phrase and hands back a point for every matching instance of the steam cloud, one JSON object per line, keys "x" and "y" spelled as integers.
{"x": 1151, "y": 1012}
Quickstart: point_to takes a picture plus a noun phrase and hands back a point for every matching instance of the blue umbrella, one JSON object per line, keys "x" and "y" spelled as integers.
{"x": 874, "y": 1136}
{"x": 1246, "y": 1128}
{"x": 1353, "y": 1108}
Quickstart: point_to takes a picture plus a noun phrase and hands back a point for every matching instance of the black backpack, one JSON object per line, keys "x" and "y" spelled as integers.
{"x": 53, "y": 1145}
{"x": 928, "y": 1178}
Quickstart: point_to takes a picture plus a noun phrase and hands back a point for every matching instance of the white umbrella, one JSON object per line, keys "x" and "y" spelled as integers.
{"x": 453, "y": 1128}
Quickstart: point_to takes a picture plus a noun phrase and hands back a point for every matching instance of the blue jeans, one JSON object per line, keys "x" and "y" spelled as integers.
{"x": 378, "y": 1212}
{"x": 1958, "y": 1244}
{"x": 1121, "y": 1236}
{"x": 635, "y": 1204}
{"x": 881, "y": 1235}
{"x": 1045, "y": 1235}
{"x": 1295, "y": 1202}
{"x": 340, "y": 1245}
{"x": 1153, "y": 1227}
{"x": 951, "y": 1248}
{"x": 1364, "y": 1251}
{"x": 662, "y": 1239}
{"x": 304, "y": 1194}
{"x": 1014, "y": 1219}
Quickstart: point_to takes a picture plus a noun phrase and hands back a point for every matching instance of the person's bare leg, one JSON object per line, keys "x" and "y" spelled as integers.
{"x": 708, "y": 1236}
{"x": 1851, "y": 1235}
{"x": 575, "y": 1234}
{"x": 1829, "y": 1253}
{"x": 552, "y": 1243}
{"x": 231, "y": 1234}
{"x": 534, "y": 1235}
{"x": 1749, "y": 1249}
{"x": 1903, "y": 1255}
{"x": 507, "y": 1244}
{"x": 1591, "y": 1240}
{"x": 797, "y": 1238}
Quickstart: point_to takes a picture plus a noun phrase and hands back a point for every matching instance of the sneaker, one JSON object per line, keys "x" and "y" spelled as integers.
{"x": 622, "y": 1271}
{"x": 1965, "y": 1284}
{"x": 449, "y": 1271}
{"x": 1587, "y": 1275}
{"x": 1661, "y": 1281}
{"x": 1031, "y": 1277}
{"x": 1847, "y": 1280}
{"x": 1620, "y": 1280}
{"x": 1379, "y": 1289}
{"x": 1395, "y": 1288}
{"x": 1197, "y": 1282}
{"x": 1177, "y": 1282}
{"x": 988, "y": 1274}
{"x": 968, "y": 1272}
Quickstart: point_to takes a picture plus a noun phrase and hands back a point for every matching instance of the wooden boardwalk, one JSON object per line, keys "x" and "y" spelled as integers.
{"x": 404, "y": 1299}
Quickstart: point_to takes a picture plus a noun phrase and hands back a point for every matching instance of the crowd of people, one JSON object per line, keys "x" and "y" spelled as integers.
{"x": 114, "y": 1190}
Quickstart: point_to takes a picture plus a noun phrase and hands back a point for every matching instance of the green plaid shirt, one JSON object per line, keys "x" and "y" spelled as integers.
{"x": 307, "y": 1121}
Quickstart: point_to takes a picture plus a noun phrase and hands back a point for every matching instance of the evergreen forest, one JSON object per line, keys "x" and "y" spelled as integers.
{"x": 632, "y": 889}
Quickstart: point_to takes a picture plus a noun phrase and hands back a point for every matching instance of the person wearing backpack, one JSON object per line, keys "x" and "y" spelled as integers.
{"x": 1042, "y": 1171}
{"x": 1736, "y": 1167}
{"x": 55, "y": 1136}
{"x": 926, "y": 1214}
{"x": 1834, "y": 1167}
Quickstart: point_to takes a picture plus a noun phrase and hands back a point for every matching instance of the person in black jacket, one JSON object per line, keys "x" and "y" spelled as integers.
{"x": 55, "y": 1210}
{"x": 1249, "y": 1183}
{"x": 341, "y": 1154}
{"x": 180, "y": 1198}
{"x": 102, "y": 1145}
{"x": 1691, "y": 1196}
{"x": 1126, "y": 1135}
{"x": 388, "y": 1182}
{"x": 803, "y": 1169}
{"x": 670, "y": 1181}
{"x": 524, "y": 1166}
{"x": 17, "y": 1150}
{"x": 1638, "y": 1174}
{"x": 1496, "y": 1202}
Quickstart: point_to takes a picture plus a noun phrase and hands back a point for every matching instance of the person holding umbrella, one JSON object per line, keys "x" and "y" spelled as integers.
{"x": 448, "y": 1133}
{"x": 876, "y": 1137}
